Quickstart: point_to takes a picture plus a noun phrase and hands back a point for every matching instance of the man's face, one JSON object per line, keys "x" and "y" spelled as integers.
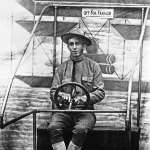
{"x": 76, "y": 46}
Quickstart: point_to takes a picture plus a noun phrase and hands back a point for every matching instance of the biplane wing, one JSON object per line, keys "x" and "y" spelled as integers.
{"x": 45, "y": 28}
{"x": 127, "y": 31}
{"x": 135, "y": 12}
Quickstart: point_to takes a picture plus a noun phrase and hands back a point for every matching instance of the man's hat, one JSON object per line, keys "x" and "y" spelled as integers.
{"x": 65, "y": 37}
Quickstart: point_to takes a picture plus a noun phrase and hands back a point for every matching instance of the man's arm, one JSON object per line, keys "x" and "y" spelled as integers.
{"x": 55, "y": 83}
{"x": 98, "y": 93}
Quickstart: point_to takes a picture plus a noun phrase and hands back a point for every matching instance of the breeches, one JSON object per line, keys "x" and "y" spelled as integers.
{"x": 80, "y": 123}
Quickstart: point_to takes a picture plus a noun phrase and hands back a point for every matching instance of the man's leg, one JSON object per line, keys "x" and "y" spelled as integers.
{"x": 72, "y": 146}
{"x": 83, "y": 123}
{"x": 59, "y": 122}
{"x": 59, "y": 146}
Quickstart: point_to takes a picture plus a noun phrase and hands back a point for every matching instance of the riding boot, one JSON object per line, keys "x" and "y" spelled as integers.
{"x": 72, "y": 146}
{"x": 59, "y": 146}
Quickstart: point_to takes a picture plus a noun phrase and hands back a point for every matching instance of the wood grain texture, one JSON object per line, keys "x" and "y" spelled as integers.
{"x": 24, "y": 98}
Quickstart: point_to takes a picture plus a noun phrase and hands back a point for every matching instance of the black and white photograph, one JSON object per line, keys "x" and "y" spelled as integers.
{"x": 75, "y": 75}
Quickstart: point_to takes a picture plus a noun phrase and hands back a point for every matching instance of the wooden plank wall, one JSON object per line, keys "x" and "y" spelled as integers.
{"x": 145, "y": 122}
{"x": 24, "y": 98}
{"x": 18, "y": 136}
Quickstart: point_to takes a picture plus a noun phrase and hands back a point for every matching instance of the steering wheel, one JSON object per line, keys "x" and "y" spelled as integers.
{"x": 73, "y": 86}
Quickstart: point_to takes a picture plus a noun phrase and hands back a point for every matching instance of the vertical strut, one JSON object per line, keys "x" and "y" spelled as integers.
{"x": 34, "y": 132}
{"x": 54, "y": 39}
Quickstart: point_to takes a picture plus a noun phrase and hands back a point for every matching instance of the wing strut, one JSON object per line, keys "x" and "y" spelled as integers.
{"x": 16, "y": 69}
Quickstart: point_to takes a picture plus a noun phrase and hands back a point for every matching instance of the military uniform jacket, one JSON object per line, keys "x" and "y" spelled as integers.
{"x": 84, "y": 71}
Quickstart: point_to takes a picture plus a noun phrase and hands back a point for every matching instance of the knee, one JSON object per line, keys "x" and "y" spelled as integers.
{"x": 53, "y": 127}
{"x": 55, "y": 133}
{"x": 80, "y": 130}
{"x": 79, "y": 135}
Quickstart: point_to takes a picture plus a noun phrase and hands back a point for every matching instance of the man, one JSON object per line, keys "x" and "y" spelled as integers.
{"x": 87, "y": 72}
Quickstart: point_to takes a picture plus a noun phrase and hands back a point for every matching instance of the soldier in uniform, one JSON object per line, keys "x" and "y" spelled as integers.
{"x": 82, "y": 70}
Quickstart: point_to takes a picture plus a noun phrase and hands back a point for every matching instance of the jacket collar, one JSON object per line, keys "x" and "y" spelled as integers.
{"x": 77, "y": 59}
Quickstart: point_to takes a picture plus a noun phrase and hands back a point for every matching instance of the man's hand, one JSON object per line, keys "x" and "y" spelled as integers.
{"x": 80, "y": 100}
{"x": 64, "y": 97}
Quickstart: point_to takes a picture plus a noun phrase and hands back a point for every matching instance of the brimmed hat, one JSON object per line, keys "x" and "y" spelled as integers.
{"x": 65, "y": 37}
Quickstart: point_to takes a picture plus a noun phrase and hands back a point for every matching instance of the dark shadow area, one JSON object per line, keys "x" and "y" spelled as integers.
{"x": 96, "y": 140}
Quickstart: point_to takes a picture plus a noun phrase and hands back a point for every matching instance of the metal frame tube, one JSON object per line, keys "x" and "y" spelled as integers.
{"x": 54, "y": 39}
{"x": 134, "y": 67}
{"x": 129, "y": 135}
{"x": 34, "y": 132}
{"x": 140, "y": 76}
{"x": 77, "y": 111}
{"x": 19, "y": 62}
{"x": 55, "y": 110}
{"x": 48, "y": 111}
{"x": 128, "y": 116}
{"x": 18, "y": 118}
